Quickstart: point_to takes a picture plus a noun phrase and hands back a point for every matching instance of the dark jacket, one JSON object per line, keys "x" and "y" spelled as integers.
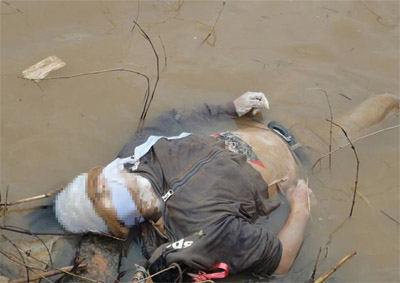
{"x": 212, "y": 199}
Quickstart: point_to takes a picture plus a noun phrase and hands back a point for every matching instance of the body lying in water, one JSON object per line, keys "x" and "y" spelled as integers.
{"x": 203, "y": 195}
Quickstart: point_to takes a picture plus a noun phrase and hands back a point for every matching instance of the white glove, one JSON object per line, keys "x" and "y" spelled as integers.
{"x": 250, "y": 100}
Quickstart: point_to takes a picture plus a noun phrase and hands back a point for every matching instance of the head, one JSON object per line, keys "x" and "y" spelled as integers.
{"x": 75, "y": 211}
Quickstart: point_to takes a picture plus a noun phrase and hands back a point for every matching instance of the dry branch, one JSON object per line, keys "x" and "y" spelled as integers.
{"x": 330, "y": 129}
{"x": 165, "y": 54}
{"x": 353, "y": 141}
{"x": 212, "y": 31}
{"x": 27, "y": 232}
{"x": 58, "y": 269}
{"x": 20, "y": 255}
{"x": 390, "y": 217}
{"x": 148, "y": 97}
{"x": 336, "y": 267}
{"x": 47, "y": 195}
{"x": 49, "y": 273}
{"x": 357, "y": 168}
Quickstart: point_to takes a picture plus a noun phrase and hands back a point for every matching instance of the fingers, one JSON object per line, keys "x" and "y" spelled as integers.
{"x": 257, "y": 100}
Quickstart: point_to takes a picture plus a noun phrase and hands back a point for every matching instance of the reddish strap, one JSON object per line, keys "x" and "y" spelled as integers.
{"x": 202, "y": 276}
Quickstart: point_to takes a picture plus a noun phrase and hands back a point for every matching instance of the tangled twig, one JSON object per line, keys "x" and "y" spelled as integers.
{"x": 358, "y": 165}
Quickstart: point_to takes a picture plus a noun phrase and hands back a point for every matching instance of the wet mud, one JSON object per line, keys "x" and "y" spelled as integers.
{"x": 54, "y": 130}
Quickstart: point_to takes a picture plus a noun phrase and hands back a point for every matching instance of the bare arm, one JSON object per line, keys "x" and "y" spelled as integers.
{"x": 291, "y": 235}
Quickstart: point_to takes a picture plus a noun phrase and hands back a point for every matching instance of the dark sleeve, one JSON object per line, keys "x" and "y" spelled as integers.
{"x": 187, "y": 119}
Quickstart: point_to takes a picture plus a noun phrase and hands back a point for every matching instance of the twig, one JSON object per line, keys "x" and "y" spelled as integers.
{"x": 149, "y": 98}
{"x": 354, "y": 141}
{"x": 212, "y": 31}
{"x": 345, "y": 96}
{"x": 46, "y": 195}
{"x": 12, "y": 6}
{"x": 336, "y": 267}
{"x": 19, "y": 230}
{"x": 4, "y": 210}
{"x": 49, "y": 273}
{"x": 12, "y": 258}
{"x": 358, "y": 165}
{"x": 59, "y": 269}
{"x": 330, "y": 129}
{"x": 165, "y": 54}
{"x": 315, "y": 266}
{"x": 134, "y": 25}
{"x": 40, "y": 277}
{"x": 390, "y": 217}
{"x": 378, "y": 18}
{"x": 21, "y": 256}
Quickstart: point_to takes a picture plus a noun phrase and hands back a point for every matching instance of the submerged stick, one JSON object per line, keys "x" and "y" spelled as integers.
{"x": 330, "y": 129}
{"x": 58, "y": 269}
{"x": 212, "y": 31}
{"x": 49, "y": 273}
{"x": 358, "y": 165}
{"x": 390, "y": 217}
{"x": 27, "y": 232}
{"x": 165, "y": 54}
{"x": 43, "y": 196}
{"x": 336, "y": 267}
{"x": 354, "y": 141}
{"x": 149, "y": 98}
{"x": 20, "y": 255}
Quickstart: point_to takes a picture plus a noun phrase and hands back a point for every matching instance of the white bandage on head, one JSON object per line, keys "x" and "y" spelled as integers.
{"x": 75, "y": 211}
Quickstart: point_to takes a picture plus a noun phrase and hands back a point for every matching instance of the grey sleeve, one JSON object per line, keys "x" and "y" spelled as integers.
{"x": 187, "y": 119}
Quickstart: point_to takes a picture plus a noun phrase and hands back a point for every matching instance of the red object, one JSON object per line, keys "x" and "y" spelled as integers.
{"x": 202, "y": 276}
{"x": 217, "y": 135}
{"x": 257, "y": 162}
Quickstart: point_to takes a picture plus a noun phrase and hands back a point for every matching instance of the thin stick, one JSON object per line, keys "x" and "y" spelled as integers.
{"x": 358, "y": 165}
{"x": 315, "y": 265}
{"x": 336, "y": 267}
{"x": 330, "y": 129}
{"x": 134, "y": 25}
{"x": 46, "y": 195}
{"x": 165, "y": 54}
{"x": 354, "y": 141}
{"x": 20, "y": 255}
{"x": 48, "y": 273}
{"x": 40, "y": 277}
{"x": 149, "y": 98}
{"x": 12, "y": 258}
{"x": 19, "y": 230}
{"x": 345, "y": 96}
{"x": 12, "y": 6}
{"x": 34, "y": 235}
{"x": 390, "y": 217}
{"x": 212, "y": 31}
{"x": 59, "y": 269}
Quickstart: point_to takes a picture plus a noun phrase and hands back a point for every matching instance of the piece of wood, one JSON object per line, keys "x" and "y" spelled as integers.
{"x": 336, "y": 267}
{"x": 41, "y": 69}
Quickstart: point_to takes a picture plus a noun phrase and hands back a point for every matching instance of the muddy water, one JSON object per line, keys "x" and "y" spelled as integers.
{"x": 52, "y": 131}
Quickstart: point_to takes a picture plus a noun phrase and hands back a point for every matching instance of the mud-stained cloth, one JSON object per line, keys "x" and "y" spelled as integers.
{"x": 212, "y": 199}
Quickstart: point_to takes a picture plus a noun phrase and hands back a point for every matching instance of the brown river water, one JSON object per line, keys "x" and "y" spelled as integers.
{"x": 54, "y": 130}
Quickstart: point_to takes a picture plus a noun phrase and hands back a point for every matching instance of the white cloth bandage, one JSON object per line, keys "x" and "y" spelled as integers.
{"x": 74, "y": 210}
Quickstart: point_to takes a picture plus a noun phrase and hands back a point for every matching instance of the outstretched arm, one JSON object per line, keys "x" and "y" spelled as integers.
{"x": 291, "y": 235}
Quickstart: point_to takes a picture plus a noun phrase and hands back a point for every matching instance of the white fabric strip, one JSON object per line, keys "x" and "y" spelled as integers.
{"x": 121, "y": 198}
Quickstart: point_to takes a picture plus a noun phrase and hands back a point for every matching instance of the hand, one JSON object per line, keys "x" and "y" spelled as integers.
{"x": 299, "y": 197}
{"x": 250, "y": 100}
